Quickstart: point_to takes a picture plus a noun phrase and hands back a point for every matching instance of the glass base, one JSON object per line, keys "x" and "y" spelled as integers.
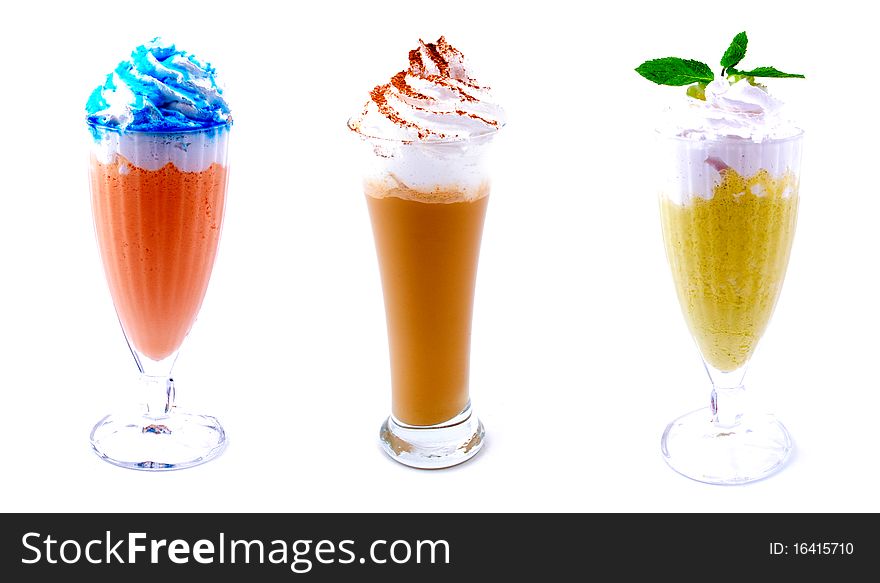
{"x": 433, "y": 447}
{"x": 755, "y": 447}
{"x": 176, "y": 441}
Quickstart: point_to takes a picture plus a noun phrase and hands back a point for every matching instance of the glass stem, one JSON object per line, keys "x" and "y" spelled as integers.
{"x": 727, "y": 405}
{"x": 728, "y": 400}
{"x": 157, "y": 395}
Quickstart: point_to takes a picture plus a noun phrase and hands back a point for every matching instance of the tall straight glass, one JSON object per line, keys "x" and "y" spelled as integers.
{"x": 728, "y": 208}
{"x": 427, "y": 202}
{"x": 157, "y": 201}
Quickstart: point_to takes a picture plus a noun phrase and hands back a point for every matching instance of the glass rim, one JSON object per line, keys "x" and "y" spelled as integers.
{"x": 118, "y": 130}
{"x": 664, "y": 133}
{"x": 428, "y": 142}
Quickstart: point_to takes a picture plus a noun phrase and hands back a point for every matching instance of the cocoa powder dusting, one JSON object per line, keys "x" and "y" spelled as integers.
{"x": 440, "y": 53}
{"x": 399, "y": 83}
{"x": 449, "y": 52}
{"x": 444, "y": 82}
{"x": 434, "y": 54}
{"x": 415, "y": 62}
{"x": 381, "y": 100}
{"x": 490, "y": 122}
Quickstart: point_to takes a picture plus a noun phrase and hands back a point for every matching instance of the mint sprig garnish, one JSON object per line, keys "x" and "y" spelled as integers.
{"x": 676, "y": 72}
{"x": 767, "y": 72}
{"x": 735, "y": 52}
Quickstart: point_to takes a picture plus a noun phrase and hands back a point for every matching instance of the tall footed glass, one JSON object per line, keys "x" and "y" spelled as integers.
{"x": 427, "y": 203}
{"x": 728, "y": 208}
{"x": 158, "y": 201}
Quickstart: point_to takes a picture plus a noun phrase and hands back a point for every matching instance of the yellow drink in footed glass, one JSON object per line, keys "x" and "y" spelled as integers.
{"x": 728, "y": 255}
{"x": 728, "y": 208}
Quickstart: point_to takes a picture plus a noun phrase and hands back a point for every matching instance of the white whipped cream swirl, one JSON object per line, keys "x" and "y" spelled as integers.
{"x": 435, "y": 99}
{"x": 738, "y": 110}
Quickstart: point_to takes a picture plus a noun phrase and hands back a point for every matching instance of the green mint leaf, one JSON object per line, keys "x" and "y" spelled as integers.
{"x": 736, "y": 51}
{"x": 675, "y": 71}
{"x": 768, "y": 72}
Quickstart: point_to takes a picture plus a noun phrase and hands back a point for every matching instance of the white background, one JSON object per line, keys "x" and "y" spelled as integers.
{"x": 580, "y": 354}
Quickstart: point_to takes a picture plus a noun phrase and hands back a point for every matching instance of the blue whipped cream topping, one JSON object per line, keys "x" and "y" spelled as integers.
{"x": 159, "y": 89}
